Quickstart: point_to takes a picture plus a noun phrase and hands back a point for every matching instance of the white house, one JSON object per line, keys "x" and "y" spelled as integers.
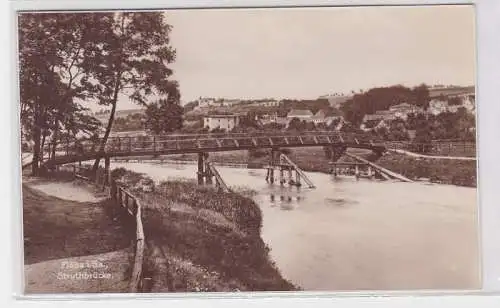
{"x": 437, "y": 106}
{"x": 301, "y": 114}
{"x": 205, "y": 102}
{"x": 226, "y": 121}
{"x": 403, "y": 110}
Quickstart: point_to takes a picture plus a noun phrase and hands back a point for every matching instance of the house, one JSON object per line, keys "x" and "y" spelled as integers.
{"x": 437, "y": 106}
{"x": 326, "y": 116}
{"x": 205, "y": 102}
{"x": 319, "y": 117}
{"x": 221, "y": 121}
{"x": 331, "y": 119}
{"x": 378, "y": 119}
{"x": 301, "y": 114}
{"x": 403, "y": 110}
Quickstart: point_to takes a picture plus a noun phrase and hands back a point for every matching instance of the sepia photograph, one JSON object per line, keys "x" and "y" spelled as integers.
{"x": 248, "y": 150}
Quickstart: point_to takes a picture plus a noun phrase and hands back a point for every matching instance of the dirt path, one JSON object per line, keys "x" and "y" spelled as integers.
{"x": 64, "y": 222}
{"x": 432, "y": 156}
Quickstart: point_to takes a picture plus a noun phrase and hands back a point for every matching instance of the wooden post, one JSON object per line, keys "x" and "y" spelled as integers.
{"x": 272, "y": 164}
{"x": 290, "y": 179}
{"x": 282, "y": 176}
{"x": 112, "y": 190}
{"x": 356, "y": 171}
{"x": 297, "y": 178}
{"x": 200, "y": 168}
{"x": 107, "y": 173}
{"x": 208, "y": 174}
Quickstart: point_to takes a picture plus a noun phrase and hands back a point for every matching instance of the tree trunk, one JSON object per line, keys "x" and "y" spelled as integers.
{"x": 42, "y": 145}
{"x": 54, "y": 139}
{"x": 109, "y": 126}
{"x": 36, "y": 138}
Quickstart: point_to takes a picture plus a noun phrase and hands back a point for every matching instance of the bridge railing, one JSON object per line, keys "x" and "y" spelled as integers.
{"x": 192, "y": 142}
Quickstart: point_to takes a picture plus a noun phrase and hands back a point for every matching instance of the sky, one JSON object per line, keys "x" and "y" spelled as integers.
{"x": 309, "y": 52}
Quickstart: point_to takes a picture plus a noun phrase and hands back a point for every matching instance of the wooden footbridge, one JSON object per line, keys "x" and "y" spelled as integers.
{"x": 202, "y": 144}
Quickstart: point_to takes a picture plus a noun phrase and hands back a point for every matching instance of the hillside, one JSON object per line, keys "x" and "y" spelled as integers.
{"x": 436, "y": 92}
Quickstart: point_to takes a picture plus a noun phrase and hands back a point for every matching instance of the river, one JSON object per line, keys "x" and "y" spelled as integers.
{"x": 360, "y": 235}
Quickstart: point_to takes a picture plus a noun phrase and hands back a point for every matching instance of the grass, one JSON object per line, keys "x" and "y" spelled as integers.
{"x": 202, "y": 240}
{"x": 456, "y": 172}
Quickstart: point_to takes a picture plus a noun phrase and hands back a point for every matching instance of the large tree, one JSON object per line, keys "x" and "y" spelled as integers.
{"x": 54, "y": 49}
{"x": 136, "y": 63}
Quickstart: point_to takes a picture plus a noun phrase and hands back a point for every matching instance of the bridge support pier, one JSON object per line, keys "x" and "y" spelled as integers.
{"x": 204, "y": 174}
{"x": 272, "y": 165}
{"x": 107, "y": 173}
{"x": 208, "y": 174}
{"x": 201, "y": 167}
{"x": 290, "y": 177}
{"x": 297, "y": 179}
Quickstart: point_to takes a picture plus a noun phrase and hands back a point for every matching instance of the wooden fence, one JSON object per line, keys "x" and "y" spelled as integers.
{"x": 132, "y": 205}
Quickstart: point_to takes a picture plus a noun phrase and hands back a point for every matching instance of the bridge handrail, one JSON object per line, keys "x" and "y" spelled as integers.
{"x": 158, "y": 143}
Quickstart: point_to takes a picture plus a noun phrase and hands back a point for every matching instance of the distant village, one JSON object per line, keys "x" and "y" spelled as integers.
{"x": 217, "y": 114}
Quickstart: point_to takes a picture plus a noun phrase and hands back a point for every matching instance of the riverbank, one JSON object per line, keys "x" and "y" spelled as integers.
{"x": 199, "y": 239}
{"x": 443, "y": 171}
{"x": 63, "y": 224}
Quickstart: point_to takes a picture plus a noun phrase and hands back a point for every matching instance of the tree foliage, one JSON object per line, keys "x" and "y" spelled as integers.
{"x": 54, "y": 53}
{"x": 135, "y": 62}
{"x": 68, "y": 60}
{"x": 163, "y": 116}
{"x": 382, "y": 99}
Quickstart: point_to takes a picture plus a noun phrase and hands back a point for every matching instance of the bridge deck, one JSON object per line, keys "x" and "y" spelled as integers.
{"x": 179, "y": 144}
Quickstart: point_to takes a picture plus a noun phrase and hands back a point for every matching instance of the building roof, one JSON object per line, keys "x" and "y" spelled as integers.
{"x": 402, "y": 105}
{"x": 373, "y": 117}
{"x": 232, "y": 115}
{"x": 300, "y": 113}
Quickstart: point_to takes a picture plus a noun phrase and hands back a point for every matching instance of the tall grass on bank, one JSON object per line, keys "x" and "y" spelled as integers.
{"x": 218, "y": 232}
{"x": 455, "y": 172}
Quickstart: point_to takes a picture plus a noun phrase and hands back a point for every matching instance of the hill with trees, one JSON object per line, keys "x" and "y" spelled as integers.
{"x": 383, "y": 98}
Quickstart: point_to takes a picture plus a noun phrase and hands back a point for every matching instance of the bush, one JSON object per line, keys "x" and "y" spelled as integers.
{"x": 258, "y": 153}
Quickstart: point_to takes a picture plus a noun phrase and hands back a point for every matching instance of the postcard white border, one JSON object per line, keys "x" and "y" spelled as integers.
{"x": 488, "y": 83}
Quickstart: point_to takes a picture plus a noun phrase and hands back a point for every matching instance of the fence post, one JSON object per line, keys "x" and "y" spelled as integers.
{"x": 112, "y": 190}
{"x": 107, "y": 174}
